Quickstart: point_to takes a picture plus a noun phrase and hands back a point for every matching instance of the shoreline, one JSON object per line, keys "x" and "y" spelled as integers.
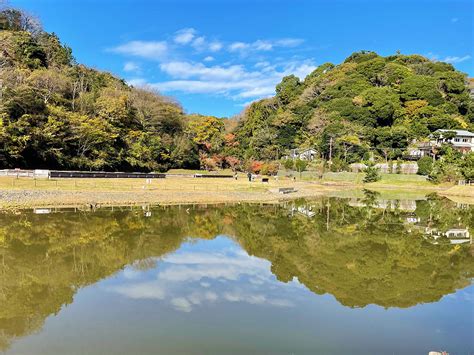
{"x": 103, "y": 192}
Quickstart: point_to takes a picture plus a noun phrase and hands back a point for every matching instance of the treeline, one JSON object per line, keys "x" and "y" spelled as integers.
{"x": 57, "y": 114}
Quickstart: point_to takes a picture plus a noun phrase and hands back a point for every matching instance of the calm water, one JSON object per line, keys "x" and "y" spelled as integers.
{"x": 332, "y": 276}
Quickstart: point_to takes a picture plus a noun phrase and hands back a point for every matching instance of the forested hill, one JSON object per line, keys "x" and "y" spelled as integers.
{"x": 55, "y": 113}
{"x": 366, "y": 103}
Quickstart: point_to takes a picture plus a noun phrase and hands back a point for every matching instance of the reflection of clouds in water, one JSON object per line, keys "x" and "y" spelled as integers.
{"x": 189, "y": 279}
{"x": 145, "y": 290}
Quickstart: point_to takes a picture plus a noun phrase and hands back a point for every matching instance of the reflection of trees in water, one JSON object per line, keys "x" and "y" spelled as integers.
{"x": 360, "y": 255}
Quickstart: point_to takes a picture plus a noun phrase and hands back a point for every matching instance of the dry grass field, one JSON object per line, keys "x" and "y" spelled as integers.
{"x": 27, "y": 192}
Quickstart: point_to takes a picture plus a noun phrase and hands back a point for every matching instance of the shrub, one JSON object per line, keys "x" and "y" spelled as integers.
{"x": 288, "y": 164}
{"x": 269, "y": 169}
{"x": 467, "y": 166}
{"x": 254, "y": 166}
{"x": 232, "y": 162}
{"x": 425, "y": 165}
{"x": 398, "y": 169}
{"x": 444, "y": 171}
{"x": 372, "y": 173}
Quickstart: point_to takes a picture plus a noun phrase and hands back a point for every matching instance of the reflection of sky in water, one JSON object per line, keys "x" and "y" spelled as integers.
{"x": 206, "y": 272}
{"x": 211, "y": 297}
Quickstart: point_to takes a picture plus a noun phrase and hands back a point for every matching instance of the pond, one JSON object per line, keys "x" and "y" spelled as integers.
{"x": 331, "y": 276}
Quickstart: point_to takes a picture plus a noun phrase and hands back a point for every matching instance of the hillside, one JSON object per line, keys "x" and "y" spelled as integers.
{"x": 55, "y": 113}
{"x": 367, "y": 103}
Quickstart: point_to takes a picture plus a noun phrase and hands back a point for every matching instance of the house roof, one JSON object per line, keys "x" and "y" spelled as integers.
{"x": 459, "y": 132}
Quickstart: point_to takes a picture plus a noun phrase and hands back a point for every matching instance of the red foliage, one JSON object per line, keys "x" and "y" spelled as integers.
{"x": 233, "y": 162}
{"x": 255, "y": 166}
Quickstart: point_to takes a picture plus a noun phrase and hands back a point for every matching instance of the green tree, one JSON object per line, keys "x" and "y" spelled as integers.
{"x": 425, "y": 165}
{"x": 372, "y": 174}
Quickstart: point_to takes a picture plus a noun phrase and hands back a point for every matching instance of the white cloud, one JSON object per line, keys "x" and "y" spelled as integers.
{"x": 233, "y": 80}
{"x": 455, "y": 59}
{"x": 184, "y": 36}
{"x": 184, "y": 70}
{"x": 131, "y": 67}
{"x": 238, "y": 46}
{"x": 289, "y": 42}
{"x": 181, "y": 304}
{"x": 448, "y": 59}
{"x": 145, "y": 290}
{"x": 185, "y": 280}
{"x": 146, "y": 49}
{"x": 199, "y": 43}
{"x": 137, "y": 82}
{"x": 215, "y": 46}
{"x": 264, "y": 45}
{"x": 209, "y": 58}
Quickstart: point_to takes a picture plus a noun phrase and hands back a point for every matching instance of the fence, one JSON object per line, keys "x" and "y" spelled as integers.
{"x": 103, "y": 174}
{"x": 38, "y": 173}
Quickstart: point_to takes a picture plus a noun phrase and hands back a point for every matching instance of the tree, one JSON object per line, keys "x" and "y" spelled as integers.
{"x": 233, "y": 162}
{"x": 288, "y": 89}
{"x": 289, "y": 164}
{"x": 372, "y": 174}
{"x": 425, "y": 165}
{"x": 300, "y": 166}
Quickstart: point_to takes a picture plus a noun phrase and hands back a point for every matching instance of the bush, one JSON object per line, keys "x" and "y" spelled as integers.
{"x": 425, "y": 165}
{"x": 467, "y": 166}
{"x": 398, "y": 169}
{"x": 288, "y": 164}
{"x": 372, "y": 173}
{"x": 254, "y": 166}
{"x": 443, "y": 171}
{"x": 269, "y": 169}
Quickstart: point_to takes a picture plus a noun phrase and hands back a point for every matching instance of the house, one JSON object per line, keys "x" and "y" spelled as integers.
{"x": 461, "y": 140}
{"x": 303, "y": 154}
{"x": 454, "y": 235}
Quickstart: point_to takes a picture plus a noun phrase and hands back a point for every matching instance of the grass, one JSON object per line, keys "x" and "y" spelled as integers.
{"x": 28, "y": 192}
{"x": 169, "y": 184}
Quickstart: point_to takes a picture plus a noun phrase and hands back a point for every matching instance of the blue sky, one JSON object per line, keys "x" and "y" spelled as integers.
{"x": 215, "y": 56}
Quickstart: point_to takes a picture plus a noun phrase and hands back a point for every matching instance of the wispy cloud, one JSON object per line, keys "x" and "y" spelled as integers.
{"x": 131, "y": 67}
{"x": 236, "y": 76}
{"x": 155, "y": 50}
{"x": 448, "y": 59}
{"x": 234, "y": 81}
{"x": 264, "y": 45}
{"x": 184, "y": 36}
{"x": 456, "y": 59}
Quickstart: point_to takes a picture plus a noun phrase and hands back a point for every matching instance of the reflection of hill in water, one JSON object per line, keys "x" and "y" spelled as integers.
{"x": 361, "y": 255}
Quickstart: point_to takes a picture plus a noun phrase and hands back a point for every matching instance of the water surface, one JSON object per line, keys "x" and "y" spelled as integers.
{"x": 331, "y": 276}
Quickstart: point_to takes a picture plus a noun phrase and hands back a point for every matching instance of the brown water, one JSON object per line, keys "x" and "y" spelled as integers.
{"x": 332, "y": 276}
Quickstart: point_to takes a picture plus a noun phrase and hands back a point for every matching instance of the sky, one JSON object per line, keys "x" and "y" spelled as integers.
{"x": 217, "y": 56}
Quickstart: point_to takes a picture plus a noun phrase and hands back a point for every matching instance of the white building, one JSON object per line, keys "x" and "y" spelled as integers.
{"x": 463, "y": 141}
{"x": 308, "y": 154}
